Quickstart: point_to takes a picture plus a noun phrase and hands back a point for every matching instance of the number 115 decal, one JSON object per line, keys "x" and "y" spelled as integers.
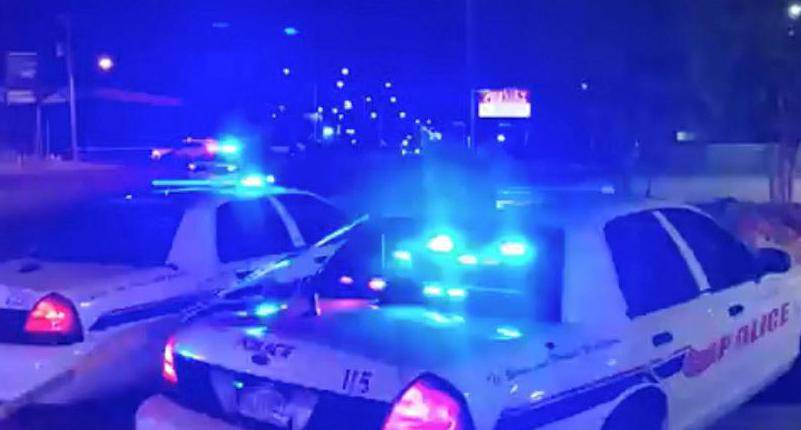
{"x": 356, "y": 381}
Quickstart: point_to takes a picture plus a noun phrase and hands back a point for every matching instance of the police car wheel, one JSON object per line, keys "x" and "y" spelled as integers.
{"x": 643, "y": 412}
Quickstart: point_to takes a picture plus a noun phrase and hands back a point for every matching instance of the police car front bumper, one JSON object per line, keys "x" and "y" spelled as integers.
{"x": 160, "y": 413}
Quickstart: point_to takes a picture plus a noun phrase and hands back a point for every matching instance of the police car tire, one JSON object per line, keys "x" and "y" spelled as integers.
{"x": 642, "y": 411}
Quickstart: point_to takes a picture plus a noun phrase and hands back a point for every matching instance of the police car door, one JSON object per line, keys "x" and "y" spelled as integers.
{"x": 314, "y": 219}
{"x": 252, "y": 236}
{"x": 758, "y": 338}
{"x": 667, "y": 319}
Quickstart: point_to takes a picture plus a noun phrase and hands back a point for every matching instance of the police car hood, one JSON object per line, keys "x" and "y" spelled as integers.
{"x": 24, "y": 281}
{"x": 392, "y": 344}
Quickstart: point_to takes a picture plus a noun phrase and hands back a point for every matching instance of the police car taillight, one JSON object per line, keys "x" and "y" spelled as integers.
{"x": 424, "y": 406}
{"x": 53, "y": 314}
{"x": 168, "y": 364}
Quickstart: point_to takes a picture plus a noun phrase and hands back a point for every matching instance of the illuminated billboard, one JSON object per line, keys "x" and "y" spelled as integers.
{"x": 504, "y": 103}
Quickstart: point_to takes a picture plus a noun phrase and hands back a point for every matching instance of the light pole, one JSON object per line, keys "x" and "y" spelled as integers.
{"x": 71, "y": 87}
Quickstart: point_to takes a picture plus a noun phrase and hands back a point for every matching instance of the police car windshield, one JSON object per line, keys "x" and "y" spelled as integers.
{"x": 126, "y": 232}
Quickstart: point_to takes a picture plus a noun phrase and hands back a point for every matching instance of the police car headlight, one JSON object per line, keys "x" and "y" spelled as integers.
{"x": 428, "y": 404}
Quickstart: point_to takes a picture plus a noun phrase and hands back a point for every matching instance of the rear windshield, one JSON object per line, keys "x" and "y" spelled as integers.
{"x": 127, "y": 232}
{"x": 497, "y": 272}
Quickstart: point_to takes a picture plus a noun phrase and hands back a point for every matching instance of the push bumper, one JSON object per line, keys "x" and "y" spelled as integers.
{"x": 160, "y": 413}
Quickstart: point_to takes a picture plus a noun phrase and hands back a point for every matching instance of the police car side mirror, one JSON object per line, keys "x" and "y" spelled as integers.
{"x": 772, "y": 260}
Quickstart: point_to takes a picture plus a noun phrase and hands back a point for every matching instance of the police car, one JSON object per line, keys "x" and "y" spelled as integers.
{"x": 628, "y": 315}
{"x": 104, "y": 283}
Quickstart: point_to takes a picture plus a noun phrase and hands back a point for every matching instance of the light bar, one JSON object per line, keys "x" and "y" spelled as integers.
{"x": 441, "y": 243}
{"x": 513, "y": 249}
{"x": 402, "y": 255}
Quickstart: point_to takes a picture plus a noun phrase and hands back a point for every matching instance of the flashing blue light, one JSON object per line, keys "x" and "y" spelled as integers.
{"x": 252, "y": 181}
{"x": 432, "y": 290}
{"x": 507, "y": 332}
{"x": 443, "y": 319}
{"x": 457, "y": 293}
{"x": 402, "y": 255}
{"x": 266, "y": 309}
{"x": 291, "y": 31}
{"x": 328, "y": 132}
{"x": 256, "y": 331}
{"x": 229, "y": 145}
{"x": 468, "y": 260}
{"x": 513, "y": 249}
{"x": 189, "y": 354}
{"x": 441, "y": 243}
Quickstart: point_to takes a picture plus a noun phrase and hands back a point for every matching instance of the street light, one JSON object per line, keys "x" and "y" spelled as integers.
{"x": 291, "y": 31}
{"x": 286, "y": 71}
{"x": 340, "y": 84}
{"x": 105, "y": 63}
{"x": 387, "y": 84}
{"x": 402, "y": 115}
{"x": 393, "y": 99}
{"x": 794, "y": 10}
{"x": 345, "y": 71}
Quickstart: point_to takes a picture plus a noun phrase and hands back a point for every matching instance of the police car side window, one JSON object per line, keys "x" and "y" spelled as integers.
{"x": 652, "y": 274}
{"x": 726, "y": 261}
{"x": 249, "y": 229}
{"x": 314, "y": 217}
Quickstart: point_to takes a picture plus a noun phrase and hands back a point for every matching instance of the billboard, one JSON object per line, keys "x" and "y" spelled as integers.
{"x": 21, "y": 70}
{"x": 504, "y": 103}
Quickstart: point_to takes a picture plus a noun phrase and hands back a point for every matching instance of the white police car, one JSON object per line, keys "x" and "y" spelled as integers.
{"x": 105, "y": 283}
{"x": 646, "y": 316}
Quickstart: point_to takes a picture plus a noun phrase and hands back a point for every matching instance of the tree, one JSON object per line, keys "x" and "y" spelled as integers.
{"x": 744, "y": 68}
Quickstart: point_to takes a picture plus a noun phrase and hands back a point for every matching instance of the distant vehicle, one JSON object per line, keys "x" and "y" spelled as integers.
{"x": 633, "y": 315}
{"x": 106, "y": 283}
{"x": 202, "y": 155}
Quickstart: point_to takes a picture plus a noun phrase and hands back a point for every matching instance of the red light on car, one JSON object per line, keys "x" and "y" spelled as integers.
{"x": 211, "y": 145}
{"x": 52, "y": 314}
{"x": 168, "y": 364}
{"x": 424, "y": 407}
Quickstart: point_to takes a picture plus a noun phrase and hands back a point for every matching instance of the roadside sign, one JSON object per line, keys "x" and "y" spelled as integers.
{"x": 21, "y": 73}
{"x": 504, "y": 103}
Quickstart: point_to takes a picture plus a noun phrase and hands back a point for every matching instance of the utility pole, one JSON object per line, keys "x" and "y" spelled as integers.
{"x": 71, "y": 87}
